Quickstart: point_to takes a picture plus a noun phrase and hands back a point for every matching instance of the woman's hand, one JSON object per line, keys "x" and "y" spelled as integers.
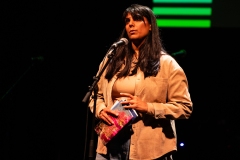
{"x": 134, "y": 102}
{"x": 104, "y": 115}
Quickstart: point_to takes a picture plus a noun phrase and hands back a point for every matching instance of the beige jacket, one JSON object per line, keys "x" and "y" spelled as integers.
{"x": 168, "y": 99}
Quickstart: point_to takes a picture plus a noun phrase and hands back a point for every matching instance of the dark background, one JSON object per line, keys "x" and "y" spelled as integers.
{"x": 51, "y": 50}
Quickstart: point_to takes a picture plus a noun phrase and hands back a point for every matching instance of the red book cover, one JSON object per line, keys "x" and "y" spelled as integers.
{"x": 107, "y": 132}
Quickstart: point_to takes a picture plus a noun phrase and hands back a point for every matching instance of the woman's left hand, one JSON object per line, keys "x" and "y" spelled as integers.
{"x": 134, "y": 102}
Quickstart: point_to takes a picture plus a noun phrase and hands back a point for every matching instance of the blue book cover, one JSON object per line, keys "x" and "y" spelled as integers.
{"x": 118, "y": 106}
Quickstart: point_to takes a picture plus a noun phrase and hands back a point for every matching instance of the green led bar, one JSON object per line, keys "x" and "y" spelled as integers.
{"x": 188, "y": 11}
{"x": 187, "y": 23}
{"x": 173, "y": 12}
{"x": 182, "y": 1}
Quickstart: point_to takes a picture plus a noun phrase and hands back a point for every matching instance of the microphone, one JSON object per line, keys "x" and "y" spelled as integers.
{"x": 122, "y": 41}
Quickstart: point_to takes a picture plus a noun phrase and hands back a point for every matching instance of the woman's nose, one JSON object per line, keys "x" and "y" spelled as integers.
{"x": 131, "y": 23}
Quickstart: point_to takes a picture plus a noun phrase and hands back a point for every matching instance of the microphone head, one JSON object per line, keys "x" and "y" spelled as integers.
{"x": 124, "y": 40}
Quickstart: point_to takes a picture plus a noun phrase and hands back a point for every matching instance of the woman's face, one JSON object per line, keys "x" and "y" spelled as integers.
{"x": 136, "y": 29}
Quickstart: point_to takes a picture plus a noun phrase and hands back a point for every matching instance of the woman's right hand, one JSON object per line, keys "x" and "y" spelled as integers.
{"x": 104, "y": 115}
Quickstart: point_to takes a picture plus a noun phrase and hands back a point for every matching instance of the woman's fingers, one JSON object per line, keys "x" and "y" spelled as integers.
{"x": 105, "y": 116}
{"x": 128, "y": 96}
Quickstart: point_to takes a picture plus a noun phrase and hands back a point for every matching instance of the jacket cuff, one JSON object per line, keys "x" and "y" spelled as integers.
{"x": 100, "y": 108}
{"x": 152, "y": 111}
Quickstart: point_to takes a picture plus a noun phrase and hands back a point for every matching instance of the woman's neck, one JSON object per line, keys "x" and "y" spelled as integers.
{"x": 136, "y": 54}
{"x": 136, "y": 50}
{"x": 136, "y": 45}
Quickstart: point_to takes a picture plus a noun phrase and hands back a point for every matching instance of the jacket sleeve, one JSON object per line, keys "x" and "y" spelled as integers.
{"x": 100, "y": 104}
{"x": 178, "y": 102}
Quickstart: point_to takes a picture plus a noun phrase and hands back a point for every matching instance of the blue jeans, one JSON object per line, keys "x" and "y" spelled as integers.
{"x": 118, "y": 147}
{"x": 116, "y": 152}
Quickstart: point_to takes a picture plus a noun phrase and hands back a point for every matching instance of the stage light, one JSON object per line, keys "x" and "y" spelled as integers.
{"x": 181, "y": 144}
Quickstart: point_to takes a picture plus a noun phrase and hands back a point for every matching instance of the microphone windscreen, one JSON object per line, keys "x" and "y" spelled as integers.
{"x": 124, "y": 40}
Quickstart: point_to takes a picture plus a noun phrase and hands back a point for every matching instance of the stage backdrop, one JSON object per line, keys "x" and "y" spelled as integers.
{"x": 50, "y": 52}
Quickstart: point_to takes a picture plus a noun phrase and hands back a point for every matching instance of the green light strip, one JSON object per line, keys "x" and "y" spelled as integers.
{"x": 183, "y": 23}
{"x": 182, "y": 1}
{"x": 182, "y": 11}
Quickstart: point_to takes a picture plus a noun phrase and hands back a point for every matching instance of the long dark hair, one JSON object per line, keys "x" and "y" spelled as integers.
{"x": 149, "y": 52}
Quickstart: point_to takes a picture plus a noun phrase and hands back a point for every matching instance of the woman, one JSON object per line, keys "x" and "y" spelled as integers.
{"x": 154, "y": 85}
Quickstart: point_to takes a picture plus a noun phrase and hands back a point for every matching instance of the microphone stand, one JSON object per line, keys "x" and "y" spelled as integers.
{"x": 94, "y": 89}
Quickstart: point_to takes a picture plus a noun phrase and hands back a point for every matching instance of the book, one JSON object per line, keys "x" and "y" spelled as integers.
{"x": 119, "y": 107}
{"x": 125, "y": 117}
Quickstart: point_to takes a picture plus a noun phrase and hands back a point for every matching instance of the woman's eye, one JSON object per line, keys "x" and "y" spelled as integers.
{"x": 127, "y": 21}
{"x": 138, "y": 19}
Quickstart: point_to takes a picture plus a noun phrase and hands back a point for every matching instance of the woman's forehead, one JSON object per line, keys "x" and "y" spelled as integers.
{"x": 133, "y": 15}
